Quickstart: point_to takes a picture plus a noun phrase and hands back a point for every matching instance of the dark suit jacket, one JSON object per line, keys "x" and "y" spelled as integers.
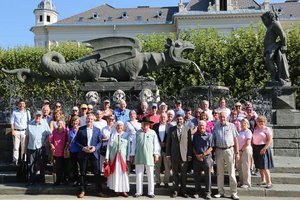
{"x": 81, "y": 141}
{"x": 155, "y": 128}
{"x": 179, "y": 149}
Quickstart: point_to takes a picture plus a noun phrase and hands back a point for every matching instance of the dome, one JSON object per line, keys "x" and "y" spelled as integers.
{"x": 46, "y": 4}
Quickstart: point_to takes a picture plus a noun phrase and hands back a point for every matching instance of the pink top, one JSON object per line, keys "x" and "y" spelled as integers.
{"x": 209, "y": 126}
{"x": 237, "y": 125}
{"x": 59, "y": 141}
{"x": 260, "y": 135}
{"x": 154, "y": 118}
{"x": 243, "y": 136}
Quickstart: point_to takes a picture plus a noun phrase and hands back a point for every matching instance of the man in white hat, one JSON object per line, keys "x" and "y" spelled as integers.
{"x": 37, "y": 134}
{"x": 145, "y": 151}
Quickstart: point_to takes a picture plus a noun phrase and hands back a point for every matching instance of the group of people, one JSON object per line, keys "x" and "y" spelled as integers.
{"x": 155, "y": 140}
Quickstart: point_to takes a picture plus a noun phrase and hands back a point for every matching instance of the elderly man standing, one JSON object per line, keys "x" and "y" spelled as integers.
{"x": 122, "y": 113}
{"x": 179, "y": 151}
{"x": 227, "y": 150}
{"x": 19, "y": 120}
{"x": 202, "y": 147}
{"x": 36, "y": 138}
{"x": 145, "y": 151}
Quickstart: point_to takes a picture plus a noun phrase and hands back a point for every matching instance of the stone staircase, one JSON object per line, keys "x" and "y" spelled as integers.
{"x": 285, "y": 178}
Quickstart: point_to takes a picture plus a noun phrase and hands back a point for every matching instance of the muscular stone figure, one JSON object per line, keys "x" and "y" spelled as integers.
{"x": 274, "y": 49}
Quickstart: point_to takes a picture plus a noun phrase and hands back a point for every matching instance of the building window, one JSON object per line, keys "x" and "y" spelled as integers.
{"x": 109, "y": 19}
{"x": 48, "y": 18}
{"x": 223, "y": 5}
{"x": 125, "y": 15}
{"x": 95, "y": 15}
{"x": 138, "y": 18}
{"x": 41, "y": 18}
{"x": 159, "y": 14}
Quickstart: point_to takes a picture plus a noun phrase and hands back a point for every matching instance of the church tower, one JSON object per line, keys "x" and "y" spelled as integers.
{"x": 45, "y": 13}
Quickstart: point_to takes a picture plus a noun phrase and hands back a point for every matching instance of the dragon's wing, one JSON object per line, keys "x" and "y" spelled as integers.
{"x": 115, "y": 49}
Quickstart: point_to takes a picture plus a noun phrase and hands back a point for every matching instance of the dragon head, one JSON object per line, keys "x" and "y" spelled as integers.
{"x": 175, "y": 50}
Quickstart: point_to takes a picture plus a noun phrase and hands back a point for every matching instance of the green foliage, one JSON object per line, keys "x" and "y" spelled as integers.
{"x": 29, "y": 57}
{"x": 234, "y": 60}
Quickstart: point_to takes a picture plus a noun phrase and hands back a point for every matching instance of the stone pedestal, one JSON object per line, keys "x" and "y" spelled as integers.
{"x": 285, "y": 119}
{"x": 283, "y": 97}
{"x": 136, "y": 86}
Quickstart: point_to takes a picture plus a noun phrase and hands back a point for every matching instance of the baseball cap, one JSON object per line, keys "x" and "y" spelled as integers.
{"x": 75, "y": 108}
{"x": 178, "y": 102}
{"x": 237, "y": 104}
{"x": 46, "y": 101}
{"x": 90, "y": 106}
{"x": 162, "y": 104}
{"x": 154, "y": 105}
{"x": 83, "y": 106}
{"x": 106, "y": 101}
{"x": 38, "y": 112}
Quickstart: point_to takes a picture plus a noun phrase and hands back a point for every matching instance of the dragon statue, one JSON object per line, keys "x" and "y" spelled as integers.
{"x": 114, "y": 59}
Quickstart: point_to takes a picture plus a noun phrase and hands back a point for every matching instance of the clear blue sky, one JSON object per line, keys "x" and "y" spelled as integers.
{"x": 16, "y": 16}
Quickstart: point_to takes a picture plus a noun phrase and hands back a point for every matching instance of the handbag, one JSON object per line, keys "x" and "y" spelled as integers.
{"x": 22, "y": 172}
{"x": 106, "y": 167}
{"x": 66, "y": 153}
{"x": 103, "y": 150}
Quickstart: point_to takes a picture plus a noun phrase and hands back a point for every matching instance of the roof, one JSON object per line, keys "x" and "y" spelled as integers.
{"x": 202, "y": 5}
{"x": 287, "y": 10}
{"x": 108, "y": 14}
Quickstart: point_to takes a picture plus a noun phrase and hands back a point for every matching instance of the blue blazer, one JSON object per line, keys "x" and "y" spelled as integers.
{"x": 81, "y": 141}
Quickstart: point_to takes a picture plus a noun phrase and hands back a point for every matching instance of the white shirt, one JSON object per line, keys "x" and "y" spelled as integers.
{"x": 100, "y": 124}
{"x": 82, "y": 120}
{"x": 89, "y": 135}
{"x": 162, "y": 131}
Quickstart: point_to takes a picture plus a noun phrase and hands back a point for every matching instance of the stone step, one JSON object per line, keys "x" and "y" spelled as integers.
{"x": 277, "y": 178}
{"x": 278, "y": 190}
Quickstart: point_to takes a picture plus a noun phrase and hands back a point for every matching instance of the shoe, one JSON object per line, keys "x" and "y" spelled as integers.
{"x": 245, "y": 186}
{"x": 219, "y": 195}
{"x": 101, "y": 194}
{"x": 137, "y": 195}
{"x": 263, "y": 184}
{"x": 174, "y": 195}
{"x": 185, "y": 195}
{"x": 208, "y": 197}
{"x": 56, "y": 183}
{"x": 166, "y": 185}
{"x": 125, "y": 194}
{"x": 196, "y": 196}
{"x": 81, "y": 195}
{"x": 151, "y": 196}
{"x": 30, "y": 184}
{"x": 235, "y": 196}
{"x": 157, "y": 185}
{"x": 269, "y": 186}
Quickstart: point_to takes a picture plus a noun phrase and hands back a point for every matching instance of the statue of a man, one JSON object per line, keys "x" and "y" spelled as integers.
{"x": 275, "y": 49}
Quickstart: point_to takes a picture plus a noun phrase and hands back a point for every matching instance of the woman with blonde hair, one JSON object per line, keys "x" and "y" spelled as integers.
{"x": 263, "y": 160}
{"x": 245, "y": 151}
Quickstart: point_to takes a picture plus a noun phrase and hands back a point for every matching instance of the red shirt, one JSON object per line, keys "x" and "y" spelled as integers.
{"x": 59, "y": 141}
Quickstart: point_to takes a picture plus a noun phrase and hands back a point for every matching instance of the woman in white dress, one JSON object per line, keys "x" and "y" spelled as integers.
{"x": 116, "y": 155}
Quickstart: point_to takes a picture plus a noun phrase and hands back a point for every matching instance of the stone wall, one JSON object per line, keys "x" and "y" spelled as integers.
{"x": 286, "y": 139}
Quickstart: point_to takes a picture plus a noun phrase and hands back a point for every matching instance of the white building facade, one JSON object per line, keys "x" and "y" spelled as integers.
{"x": 105, "y": 20}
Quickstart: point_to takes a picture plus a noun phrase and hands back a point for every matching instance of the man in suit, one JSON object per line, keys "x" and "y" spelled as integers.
{"x": 161, "y": 132}
{"x": 179, "y": 151}
{"x": 88, "y": 139}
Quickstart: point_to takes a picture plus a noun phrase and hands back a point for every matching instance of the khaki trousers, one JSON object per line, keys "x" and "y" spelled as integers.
{"x": 222, "y": 157}
{"x": 18, "y": 138}
{"x": 167, "y": 164}
{"x": 244, "y": 166}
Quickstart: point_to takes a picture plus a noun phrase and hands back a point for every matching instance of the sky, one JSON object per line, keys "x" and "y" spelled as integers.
{"x": 16, "y": 16}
